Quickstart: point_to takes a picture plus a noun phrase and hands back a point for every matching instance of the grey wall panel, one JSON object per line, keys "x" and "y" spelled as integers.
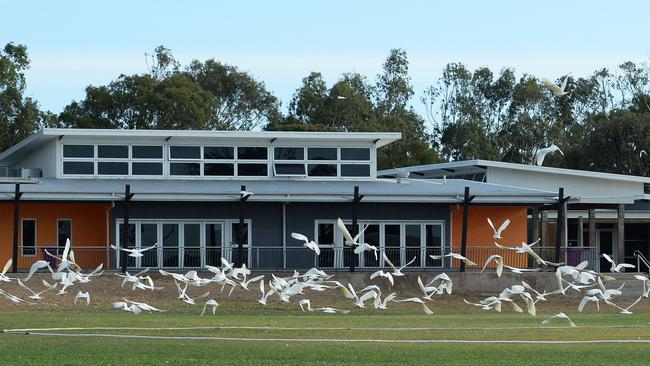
{"x": 301, "y": 216}
{"x": 267, "y": 217}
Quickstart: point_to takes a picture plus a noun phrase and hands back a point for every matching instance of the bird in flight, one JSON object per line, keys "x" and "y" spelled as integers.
{"x": 136, "y": 252}
{"x": 497, "y": 233}
{"x": 308, "y": 244}
{"x": 541, "y": 154}
{"x": 559, "y": 91}
{"x": 559, "y": 316}
{"x": 617, "y": 267}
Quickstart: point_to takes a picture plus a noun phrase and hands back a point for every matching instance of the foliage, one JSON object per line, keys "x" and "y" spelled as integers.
{"x": 479, "y": 115}
{"x": 353, "y": 104}
{"x": 207, "y": 95}
{"x": 19, "y": 115}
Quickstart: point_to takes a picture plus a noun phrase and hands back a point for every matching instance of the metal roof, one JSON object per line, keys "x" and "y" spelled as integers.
{"x": 47, "y": 134}
{"x": 475, "y": 166}
{"x": 382, "y": 190}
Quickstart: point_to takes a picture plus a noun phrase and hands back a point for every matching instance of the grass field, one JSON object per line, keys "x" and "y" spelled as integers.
{"x": 243, "y": 319}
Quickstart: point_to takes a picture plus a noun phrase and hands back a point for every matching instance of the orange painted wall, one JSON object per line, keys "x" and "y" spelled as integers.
{"x": 88, "y": 229}
{"x": 479, "y": 232}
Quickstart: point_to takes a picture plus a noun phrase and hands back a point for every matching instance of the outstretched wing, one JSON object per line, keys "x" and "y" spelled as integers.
{"x": 7, "y": 265}
{"x": 503, "y": 226}
{"x": 298, "y": 236}
{"x": 344, "y": 231}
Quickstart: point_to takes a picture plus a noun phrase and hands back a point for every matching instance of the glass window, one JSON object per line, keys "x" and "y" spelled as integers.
{"x": 146, "y": 168}
{"x": 355, "y": 153}
{"x": 326, "y": 234}
{"x": 392, "y": 243}
{"x": 325, "y": 238}
{"x": 29, "y": 236}
{"x": 249, "y": 153}
{"x": 113, "y": 151}
{"x": 78, "y": 151}
{"x": 78, "y": 167}
{"x": 64, "y": 231}
{"x": 234, "y": 233}
{"x": 185, "y": 169}
{"x": 112, "y": 168}
{"x": 371, "y": 236}
{"x": 213, "y": 169}
{"x": 130, "y": 235}
{"x": 412, "y": 243}
{"x": 321, "y": 170}
{"x": 433, "y": 238}
{"x": 149, "y": 237}
{"x": 185, "y": 152}
{"x": 355, "y": 170}
{"x": 170, "y": 241}
{"x": 213, "y": 243}
{"x": 235, "y": 241}
{"x": 290, "y": 169}
{"x": 218, "y": 152}
{"x": 191, "y": 245}
{"x": 289, "y": 153}
{"x": 322, "y": 153}
{"x": 147, "y": 152}
{"x": 252, "y": 170}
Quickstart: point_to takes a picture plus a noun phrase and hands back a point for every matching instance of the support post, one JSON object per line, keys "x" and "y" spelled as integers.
{"x": 592, "y": 229}
{"x": 621, "y": 233}
{"x": 544, "y": 233}
{"x": 463, "y": 241}
{"x": 17, "y": 195}
{"x": 355, "y": 227}
{"x": 559, "y": 232}
{"x": 581, "y": 235}
{"x": 534, "y": 224}
{"x": 240, "y": 227}
{"x": 125, "y": 227}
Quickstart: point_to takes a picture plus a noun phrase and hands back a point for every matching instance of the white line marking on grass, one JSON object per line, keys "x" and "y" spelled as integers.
{"x": 229, "y": 327}
{"x": 337, "y": 340}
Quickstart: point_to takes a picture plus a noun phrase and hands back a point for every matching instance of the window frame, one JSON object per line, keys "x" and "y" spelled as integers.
{"x": 420, "y": 261}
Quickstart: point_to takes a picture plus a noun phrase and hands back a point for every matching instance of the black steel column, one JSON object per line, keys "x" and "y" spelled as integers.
{"x": 17, "y": 195}
{"x": 240, "y": 228}
{"x": 463, "y": 241}
{"x": 559, "y": 226}
{"x": 355, "y": 228}
{"x": 125, "y": 227}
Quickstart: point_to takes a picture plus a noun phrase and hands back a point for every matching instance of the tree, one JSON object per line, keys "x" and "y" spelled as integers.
{"x": 207, "y": 95}
{"x": 19, "y": 115}
{"x": 392, "y": 92}
{"x": 308, "y": 102}
{"x": 352, "y": 104}
{"x": 240, "y": 101}
{"x": 142, "y": 102}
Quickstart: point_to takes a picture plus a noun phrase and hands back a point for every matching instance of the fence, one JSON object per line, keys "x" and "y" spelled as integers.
{"x": 279, "y": 258}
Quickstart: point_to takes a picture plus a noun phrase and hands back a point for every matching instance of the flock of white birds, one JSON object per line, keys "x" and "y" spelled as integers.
{"x": 569, "y": 278}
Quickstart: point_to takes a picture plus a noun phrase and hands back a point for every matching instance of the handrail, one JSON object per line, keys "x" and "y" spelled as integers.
{"x": 640, "y": 258}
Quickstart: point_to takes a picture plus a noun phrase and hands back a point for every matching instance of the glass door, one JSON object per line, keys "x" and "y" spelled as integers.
{"x": 213, "y": 244}
{"x": 191, "y": 247}
{"x": 170, "y": 245}
{"x": 148, "y": 237}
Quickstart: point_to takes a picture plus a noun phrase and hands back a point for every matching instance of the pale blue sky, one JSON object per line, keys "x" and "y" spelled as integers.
{"x": 76, "y": 43}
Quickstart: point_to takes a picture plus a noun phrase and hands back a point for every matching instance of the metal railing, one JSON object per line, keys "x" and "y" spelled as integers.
{"x": 640, "y": 258}
{"x": 278, "y": 258}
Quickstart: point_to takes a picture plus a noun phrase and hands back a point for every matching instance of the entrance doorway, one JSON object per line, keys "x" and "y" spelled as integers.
{"x": 606, "y": 243}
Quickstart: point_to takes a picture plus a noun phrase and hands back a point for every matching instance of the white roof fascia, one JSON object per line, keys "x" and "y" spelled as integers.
{"x": 379, "y": 138}
{"x": 106, "y": 197}
{"x": 524, "y": 167}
